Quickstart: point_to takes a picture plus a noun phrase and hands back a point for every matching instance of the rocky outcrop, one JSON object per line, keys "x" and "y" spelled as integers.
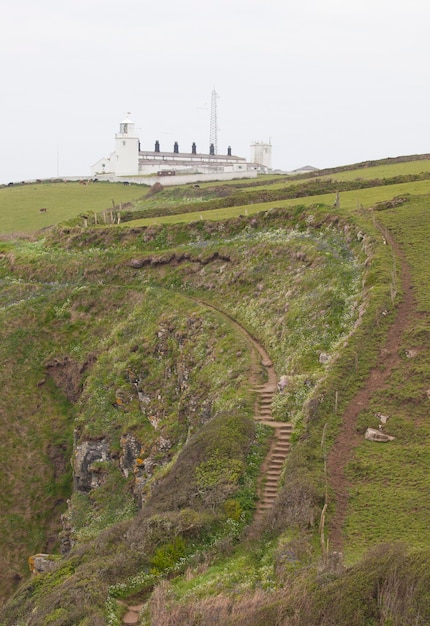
{"x": 144, "y": 468}
{"x": 86, "y": 474}
{"x": 41, "y": 563}
{"x": 130, "y": 451}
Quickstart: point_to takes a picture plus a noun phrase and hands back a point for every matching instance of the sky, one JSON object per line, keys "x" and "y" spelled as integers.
{"x": 328, "y": 82}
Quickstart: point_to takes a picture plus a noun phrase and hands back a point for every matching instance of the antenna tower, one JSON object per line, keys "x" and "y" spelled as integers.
{"x": 213, "y": 134}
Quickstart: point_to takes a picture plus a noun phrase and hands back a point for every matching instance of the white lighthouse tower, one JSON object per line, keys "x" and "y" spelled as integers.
{"x": 126, "y": 149}
{"x": 261, "y": 153}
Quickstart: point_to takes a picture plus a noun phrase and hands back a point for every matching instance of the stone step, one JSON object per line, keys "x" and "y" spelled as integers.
{"x": 273, "y": 478}
{"x": 284, "y": 426}
{"x": 279, "y": 454}
{"x": 264, "y": 387}
{"x": 270, "y": 489}
{"x": 130, "y": 618}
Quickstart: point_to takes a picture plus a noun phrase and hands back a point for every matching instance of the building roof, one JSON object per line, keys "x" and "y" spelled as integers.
{"x": 190, "y": 156}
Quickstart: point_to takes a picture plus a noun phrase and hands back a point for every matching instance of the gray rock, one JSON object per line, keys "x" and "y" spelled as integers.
{"x": 372, "y": 434}
{"x": 130, "y": 451}
{"x": 41, "y": 563}
{"x": 86, "y": 477}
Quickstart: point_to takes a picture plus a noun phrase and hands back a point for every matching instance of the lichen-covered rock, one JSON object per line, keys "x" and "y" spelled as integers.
{"x": 144, "y": 468}
{"x": 130, "y": 451}
{"x": 41, "y": 563}
{"x": 87, "y": 453}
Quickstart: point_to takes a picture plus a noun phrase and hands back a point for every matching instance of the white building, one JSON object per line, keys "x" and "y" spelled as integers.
{"x": 261, "y": 153}
{"x": 125, "y": 160}
{"x": 129, "y": 160}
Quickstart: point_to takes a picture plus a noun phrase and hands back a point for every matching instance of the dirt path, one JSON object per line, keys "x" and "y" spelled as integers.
{"x": 262, "y": 367}
{"x": 273, "y": 464}
{"x": 132, "y": 615}
{"x": 348, "y": 439}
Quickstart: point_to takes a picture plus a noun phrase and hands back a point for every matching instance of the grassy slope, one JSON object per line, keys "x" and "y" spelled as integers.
{"x": 20, "y": 204}
{"x": 349, "y": 200}
{"x": 390, "y": 483}
{"x": 370, "y": 475}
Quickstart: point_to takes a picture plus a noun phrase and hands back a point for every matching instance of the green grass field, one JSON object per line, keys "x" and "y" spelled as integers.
{"x": 349, "y": 200}
{"x": 20, "y": 205}
{"x": 383, "y": 171}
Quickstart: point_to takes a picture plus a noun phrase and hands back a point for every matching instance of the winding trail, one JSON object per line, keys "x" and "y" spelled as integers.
{"x": 261, "y": 368}
{"x": 348, "y": 439}
{"x": 274, "y": 462}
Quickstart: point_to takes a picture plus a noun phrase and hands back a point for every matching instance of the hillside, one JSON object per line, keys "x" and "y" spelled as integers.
{"x": 146, "y": 448}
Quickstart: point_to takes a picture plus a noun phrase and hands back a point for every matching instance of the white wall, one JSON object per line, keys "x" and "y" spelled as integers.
{"x": 180, "y": 179}
{"x": 126, "y": 156}
{"x": 104, "y": 165}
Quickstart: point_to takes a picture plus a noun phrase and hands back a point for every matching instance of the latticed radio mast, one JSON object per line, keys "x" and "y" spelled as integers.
{"x": 213, "y": 134}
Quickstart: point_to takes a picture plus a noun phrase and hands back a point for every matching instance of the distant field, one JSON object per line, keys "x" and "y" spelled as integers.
{"x": 384, "y": 171}
{"x": 362, "y": 173}
{"x": 348, "y": 200}
{"x": 20, "y": 205}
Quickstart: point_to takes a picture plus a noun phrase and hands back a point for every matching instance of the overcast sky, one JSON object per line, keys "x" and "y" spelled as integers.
{"x": 330, "y": 82}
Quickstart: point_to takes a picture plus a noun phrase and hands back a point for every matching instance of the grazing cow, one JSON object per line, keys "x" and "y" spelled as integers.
{"x": 43, "y": 210}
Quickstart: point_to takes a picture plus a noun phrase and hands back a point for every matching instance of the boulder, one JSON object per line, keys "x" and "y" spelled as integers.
{"x": 372, "y": 434}
{"x": 382, "y": 418}
{"x": 41, "y": 563}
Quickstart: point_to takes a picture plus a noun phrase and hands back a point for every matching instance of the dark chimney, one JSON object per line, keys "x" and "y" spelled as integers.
{"x": 229, "y": 151}
{"x": 176, "y": 147}
{"x": 194, "y": 148}
{"x": 157, "y": 146}
{"x": 212, "y": 149}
